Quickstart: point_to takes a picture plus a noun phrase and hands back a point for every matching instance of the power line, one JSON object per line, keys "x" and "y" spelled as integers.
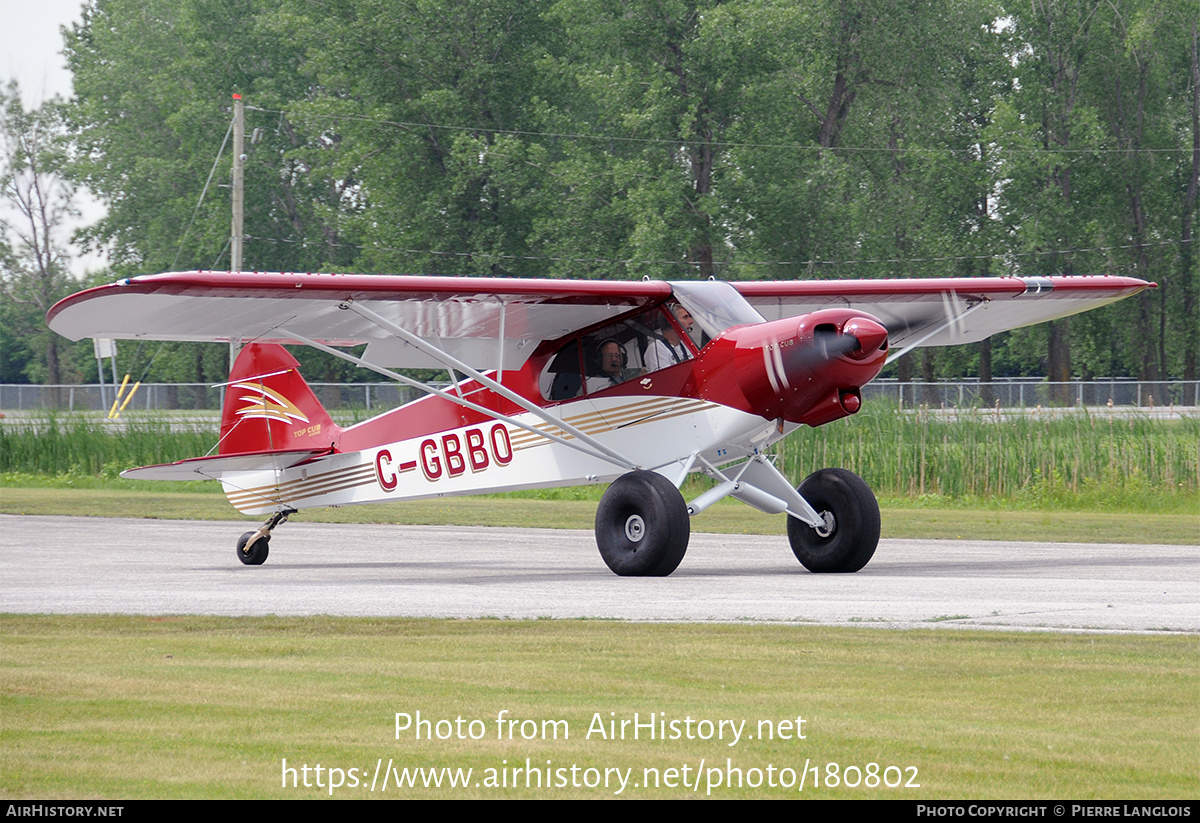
{"x": 684, "y": 263}
{"x": 196, "y": 211}
{"x": 689, "y": 264}
{"x": 727, "y": 144}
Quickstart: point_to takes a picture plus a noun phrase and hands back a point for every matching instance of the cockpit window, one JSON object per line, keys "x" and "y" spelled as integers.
{"x": 666, "y": 345}
{"x": 561, "y": 379}
{"x": 618, "y": 352}
{"x": 714, "y": 305}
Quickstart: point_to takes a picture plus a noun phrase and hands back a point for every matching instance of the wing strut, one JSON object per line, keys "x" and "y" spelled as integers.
{"x": 603, "y": 454}
{"x": 453, "y": 362}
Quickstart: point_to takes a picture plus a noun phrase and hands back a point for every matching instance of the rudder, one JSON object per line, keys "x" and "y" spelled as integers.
{"x": 268, "y": 406}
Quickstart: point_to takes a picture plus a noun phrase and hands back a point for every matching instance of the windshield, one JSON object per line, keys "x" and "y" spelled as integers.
{"x": 715, "y": 305}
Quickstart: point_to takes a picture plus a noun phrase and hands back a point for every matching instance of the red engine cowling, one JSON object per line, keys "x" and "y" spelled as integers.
{"x": 806, "y": 369}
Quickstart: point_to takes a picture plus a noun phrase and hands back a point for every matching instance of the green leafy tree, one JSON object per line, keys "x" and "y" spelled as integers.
{"x": 665, "y": 79}
{"x": 669, "y": 138}
{"x": 431, "y": 102}
{"x": 1095, "y": 178}
{"x": 37, "y": 201}
{"x": 1189, "y": 176}
{"x": 1131, "y": 87}
{"x": 1054, "y": 142}
{"x": 153, "y": 84}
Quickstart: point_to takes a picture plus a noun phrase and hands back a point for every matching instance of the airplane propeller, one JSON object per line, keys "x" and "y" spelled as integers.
{"x": 860, "y": 337}
{"x": 811, "y": 367}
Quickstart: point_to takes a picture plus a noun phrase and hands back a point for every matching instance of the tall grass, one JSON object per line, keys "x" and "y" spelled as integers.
{"x": 1074, "y": 460}
{"x": 1010, "y": 455}
{"x": 87, "y": 445}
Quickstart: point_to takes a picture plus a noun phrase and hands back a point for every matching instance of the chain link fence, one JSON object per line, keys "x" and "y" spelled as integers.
{"x": 190, "y": 397}
{"x": 1016, "y": 393}
{"x": 1025, "y": 393}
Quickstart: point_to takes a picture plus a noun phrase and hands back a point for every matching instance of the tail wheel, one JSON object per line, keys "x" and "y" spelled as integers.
{"x": 253, "y": 555}
{"x": 642, "y": 525}
{"x": 847, "y": 540}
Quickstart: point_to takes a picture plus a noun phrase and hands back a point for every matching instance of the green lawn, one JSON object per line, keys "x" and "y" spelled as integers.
{"x": 902, "y": 518}
{"x": 128, "y": 707}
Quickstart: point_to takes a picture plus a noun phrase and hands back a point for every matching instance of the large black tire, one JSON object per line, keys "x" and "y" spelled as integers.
{"x": 255, "y": 555}
{"x": 852, "y": 513}
{"x": 642, "y": 525}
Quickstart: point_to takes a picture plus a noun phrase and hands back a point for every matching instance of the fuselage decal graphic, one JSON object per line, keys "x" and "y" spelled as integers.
{"x": 447, "y": 456}
{"x": 296, "y": 491}
{"x": 267, "y": 404}
{"x": 620, "y": 417}
{"x": 444, "y": 456}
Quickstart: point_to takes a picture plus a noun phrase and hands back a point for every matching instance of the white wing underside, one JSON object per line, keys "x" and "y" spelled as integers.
{"x": 492, "y": 324}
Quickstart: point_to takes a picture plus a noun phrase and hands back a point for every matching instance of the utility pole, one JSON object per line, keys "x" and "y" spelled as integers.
{"x": 239, "y": 180}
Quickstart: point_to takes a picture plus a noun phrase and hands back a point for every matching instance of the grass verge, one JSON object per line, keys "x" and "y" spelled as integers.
{"x": 901, "y": 518}
{"x": 129, "y": 707}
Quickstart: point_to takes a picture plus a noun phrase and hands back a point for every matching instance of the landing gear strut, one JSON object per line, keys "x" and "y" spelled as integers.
{"x": 252, "y": 547}
{"x": 847, "y": 539}
{"x": 642, "y": 525}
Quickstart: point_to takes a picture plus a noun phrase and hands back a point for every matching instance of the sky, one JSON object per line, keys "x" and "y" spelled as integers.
{"x": 30, "y": 46}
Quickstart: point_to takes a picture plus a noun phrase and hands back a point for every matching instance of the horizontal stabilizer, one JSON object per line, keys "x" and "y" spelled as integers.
{"x": 212, "y": 468}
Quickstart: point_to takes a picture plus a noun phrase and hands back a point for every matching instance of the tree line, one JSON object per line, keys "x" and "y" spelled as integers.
{"x": 674, "y": 139}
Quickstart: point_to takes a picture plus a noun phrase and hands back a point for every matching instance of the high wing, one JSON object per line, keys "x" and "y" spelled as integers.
{"x": 497, "y": 323}
{"x": 943, "y": 312}
{"x": 778, "y": 355}
{"x": 469, "y": 318}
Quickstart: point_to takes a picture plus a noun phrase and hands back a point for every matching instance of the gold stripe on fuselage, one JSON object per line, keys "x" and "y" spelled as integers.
{"x": 598, "y": 422}
{"x": 295, "y": 491}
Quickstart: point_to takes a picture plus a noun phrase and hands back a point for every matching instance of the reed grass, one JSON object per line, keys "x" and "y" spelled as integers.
{"x": 1031, "y": 457}
{"x": 83, "y": 444}
{"x": 1094, "y": 460}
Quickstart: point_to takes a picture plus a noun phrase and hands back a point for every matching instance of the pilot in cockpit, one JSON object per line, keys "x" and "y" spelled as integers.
{"x": 614, "y": 361}
{"x": 668, "y": 347}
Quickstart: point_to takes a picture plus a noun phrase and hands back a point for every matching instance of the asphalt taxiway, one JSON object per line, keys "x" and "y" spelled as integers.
{"x": 67, "y": 565}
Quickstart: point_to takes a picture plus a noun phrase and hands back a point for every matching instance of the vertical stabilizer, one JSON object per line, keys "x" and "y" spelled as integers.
{"x": 269, "y": 407}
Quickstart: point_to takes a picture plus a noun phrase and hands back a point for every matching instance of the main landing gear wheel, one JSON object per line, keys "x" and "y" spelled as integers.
{"x": 253, "y": 555}
{"x": 642, "y": 525}
{"x": 851, "y": 532}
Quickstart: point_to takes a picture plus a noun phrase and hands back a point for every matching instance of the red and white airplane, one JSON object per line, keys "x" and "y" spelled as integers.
{"x": 557, "y": 383}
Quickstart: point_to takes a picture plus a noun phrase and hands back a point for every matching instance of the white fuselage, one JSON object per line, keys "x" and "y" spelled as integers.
{"x": 659, "y": 433}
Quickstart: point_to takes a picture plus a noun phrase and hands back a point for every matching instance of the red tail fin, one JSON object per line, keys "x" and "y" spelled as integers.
{"x": 268, "y": 406}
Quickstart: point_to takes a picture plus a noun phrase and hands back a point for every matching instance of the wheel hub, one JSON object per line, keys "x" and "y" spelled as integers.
{"x": 830, "y": 525}
{"x": 635, "y": 528}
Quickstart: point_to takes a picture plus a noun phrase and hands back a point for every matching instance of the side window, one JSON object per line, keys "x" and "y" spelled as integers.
{"x": 607, "y": 358}
{"x": 666, "y": 345}
{"x": 562, "y": 379}
{"x": 616, "y": 353}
